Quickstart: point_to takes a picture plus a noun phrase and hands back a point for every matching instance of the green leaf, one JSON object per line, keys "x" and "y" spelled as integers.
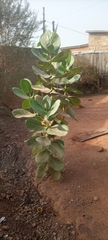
{"x": 50, "y": 48}
{"x": 70, "y": 73}
{"x": 73, "y": 90}
{"x": 26, "y": 104}
{"x": 32, "y": 143}
{"x": 69, "y": 61}
{"x": 37, "y": 107}
{"x": 71, "y": 112}
{"x": 56, "y": 163}
{"x": 36, "y": 52}
{"x": 58, "y": 130}
{"x": 64, "y": 100}
{"x": 38, "y": 118}
{"x": 19, "y": 113}
{"x": 38, "y": 99}
{"x": 56, "y": 175}
{"x": 41, "y": 170}
{"x": 57, "y": 67}
{"x": 74, "y": 101}
{"x": 60, "y": 56}
{"x": 36, "y": 150}
{"x": 25, "y": 85}
{"x": 38, "y": 71}
{"x": 57, "y": 148}
{"x": 44, "y": 141}
{"x": 74, "y": 79}
{"x": 41, "y": 80}
{"x": 42, "y": 157}
{"x": 45, "y": 66}
{"x": 20, "y": 93}
{"x": 54, "y": 108}
{"x": 34, "y": 125}
{"x": 46, "y": 102}
{"x": 62, "y": 113}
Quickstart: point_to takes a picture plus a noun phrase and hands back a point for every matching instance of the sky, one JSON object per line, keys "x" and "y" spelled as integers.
{"x": 73, "y": 18}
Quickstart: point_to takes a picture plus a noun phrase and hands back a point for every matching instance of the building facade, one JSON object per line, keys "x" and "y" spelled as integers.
{"x": 98, "y": 41}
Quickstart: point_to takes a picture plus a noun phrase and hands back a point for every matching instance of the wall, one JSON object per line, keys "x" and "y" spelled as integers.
{"x": 79, "y": 48}
{"x": 98, "y": 41}
{"x": 15, "y": 64}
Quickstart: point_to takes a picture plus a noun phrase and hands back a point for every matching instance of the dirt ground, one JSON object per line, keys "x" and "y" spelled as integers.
{"x": 76, "y": 207}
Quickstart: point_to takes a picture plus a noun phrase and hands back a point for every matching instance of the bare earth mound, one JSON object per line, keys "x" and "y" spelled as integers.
{"x": 76, "y": 207}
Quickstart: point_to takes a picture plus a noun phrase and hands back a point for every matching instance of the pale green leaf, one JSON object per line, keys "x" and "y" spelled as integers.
{"x": 32, "y": 143}
{"x": 50, "y": 41}
{"x": 45, "y": 39}
{"x": 36, "y": 52}
{"x": 54, "y": 108}
{"x": 20, "y": 93}
{"x": 46, "y": 102}
{"x": 19, "y": 113}
{"x": 42, "y": 157}
{"x": 41, "y": 88}
{"x": 58, "y": 130}
{"x": 61, "y": 81}
{"x": 55, "y": 41}
{"x": 38, "y": 71}
{"x": 57, "y": 67}
{"x": 74, "y": 79}
{"x": 44, "y": 141}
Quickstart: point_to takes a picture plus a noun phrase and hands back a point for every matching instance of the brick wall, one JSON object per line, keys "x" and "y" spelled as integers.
{"x": 98, "y": 41}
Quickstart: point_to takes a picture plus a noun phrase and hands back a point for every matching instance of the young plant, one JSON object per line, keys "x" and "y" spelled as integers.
{"x": 47, "y": 103}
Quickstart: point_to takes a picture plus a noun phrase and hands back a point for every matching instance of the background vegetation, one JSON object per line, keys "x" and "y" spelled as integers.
{"x": 89, "y": 81}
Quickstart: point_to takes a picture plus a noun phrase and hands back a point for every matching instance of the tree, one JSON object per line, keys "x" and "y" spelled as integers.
{"x": 17, "y": 23}
{"x": 47, "y": 103}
